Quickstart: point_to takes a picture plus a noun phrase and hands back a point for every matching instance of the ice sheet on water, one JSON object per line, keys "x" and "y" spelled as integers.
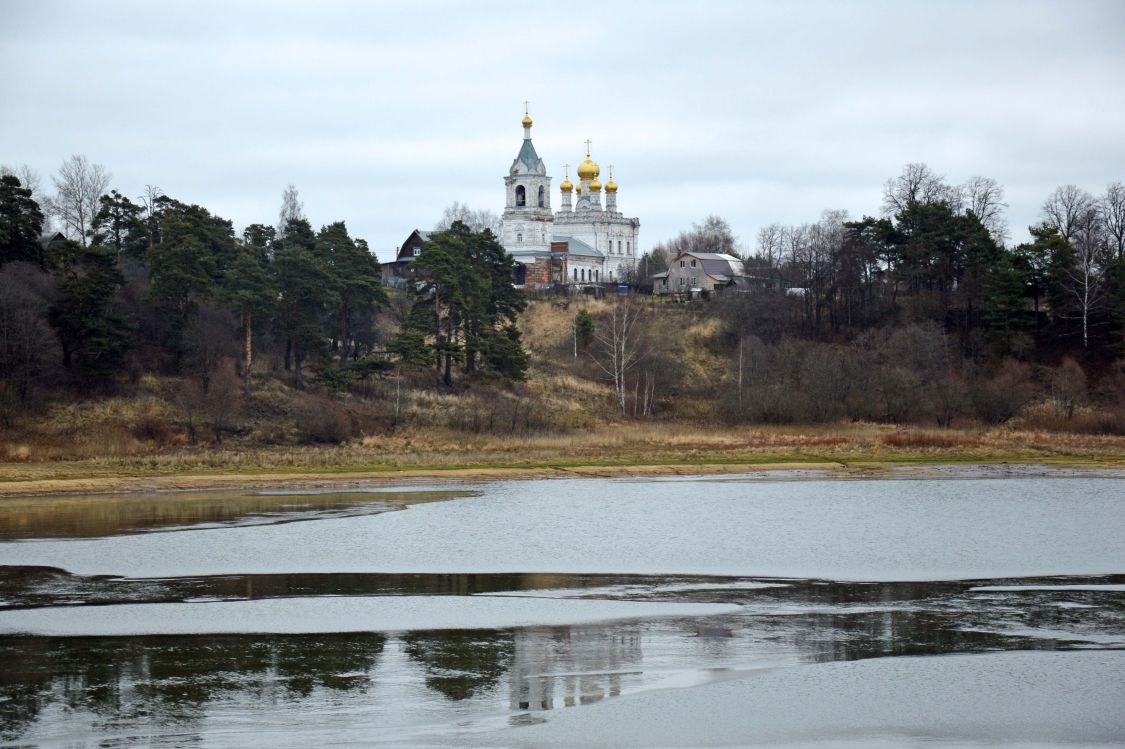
{"x": 334, "y": 614}
{"x": 1108, "y": 587}
{"x": 838, "y": 530}
{"x": 931, "y": 702}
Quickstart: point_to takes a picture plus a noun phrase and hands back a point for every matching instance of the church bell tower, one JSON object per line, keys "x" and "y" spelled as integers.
{"x": 527, "y": 207}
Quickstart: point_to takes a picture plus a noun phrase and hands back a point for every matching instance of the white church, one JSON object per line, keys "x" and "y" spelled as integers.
{"x": 584, "y": 242}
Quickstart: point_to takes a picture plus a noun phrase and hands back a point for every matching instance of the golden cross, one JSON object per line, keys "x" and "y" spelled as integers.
{"x": 567, "y": 168}
{"x": 611, "y": 171}
{"x": 588, "y": 141}
{"x": 525, "y": 103}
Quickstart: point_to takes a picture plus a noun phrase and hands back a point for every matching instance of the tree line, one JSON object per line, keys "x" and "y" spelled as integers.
{"x": 939, "y": 253}
{"x": 153, "y": 284}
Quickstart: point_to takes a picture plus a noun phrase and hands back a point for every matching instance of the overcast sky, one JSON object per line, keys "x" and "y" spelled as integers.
{"x": 384, "y": 113}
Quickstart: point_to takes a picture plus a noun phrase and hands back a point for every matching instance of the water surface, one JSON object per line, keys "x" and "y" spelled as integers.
{"x": 597, "y": 594}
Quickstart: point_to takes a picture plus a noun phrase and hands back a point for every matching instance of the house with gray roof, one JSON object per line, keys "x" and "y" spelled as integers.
{"x": 699, "y": 272}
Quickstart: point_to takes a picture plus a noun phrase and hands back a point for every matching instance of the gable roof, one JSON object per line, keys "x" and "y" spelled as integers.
{"x": 718, "y": 265}
{"x": 405, "y": 251}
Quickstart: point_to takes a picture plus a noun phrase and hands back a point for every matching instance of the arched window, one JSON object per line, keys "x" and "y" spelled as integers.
{"x": 575, "y": 274}
{"x": 519, "y": 238}
{"x": 521, "y": 196}
{"x": 583, "y": 274}
{"x": 627, "y": 250}
{"x": 542, "y": 197}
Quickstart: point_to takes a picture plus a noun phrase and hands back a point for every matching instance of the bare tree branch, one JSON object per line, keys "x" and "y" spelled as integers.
{"x": 78, "y": 186}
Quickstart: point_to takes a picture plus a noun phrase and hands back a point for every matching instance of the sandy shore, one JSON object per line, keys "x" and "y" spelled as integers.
{"x": 343, "y": 480}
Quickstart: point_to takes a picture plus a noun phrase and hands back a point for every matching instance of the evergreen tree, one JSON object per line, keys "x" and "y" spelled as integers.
{"x": 466, "y": 306}
{"x": 307, "y": 293}
{"x": 1005, "y": 297}
{"x": 94, "y": 340}
{"x": 358, "y": 284}
{"x": 120, "y": 224}
{"x": 249, "y": 290}
{"x": 21, "y": 223}
{"x": 186, "y": 265}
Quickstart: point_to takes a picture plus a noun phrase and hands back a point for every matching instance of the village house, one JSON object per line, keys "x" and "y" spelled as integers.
{"x": 399, "y": 271}
{"x": 698, "y": 273}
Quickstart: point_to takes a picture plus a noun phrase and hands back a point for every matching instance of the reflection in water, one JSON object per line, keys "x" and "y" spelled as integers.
{"x": 177, "y": 689}
{"x": 114, "y": 515}
{"x": 170, "y": 681}
{"x": 568, "y": 666}
{"x": 461, "y": 664}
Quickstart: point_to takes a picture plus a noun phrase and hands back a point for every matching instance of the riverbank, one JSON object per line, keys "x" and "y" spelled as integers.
{"x": 844, "y": 450}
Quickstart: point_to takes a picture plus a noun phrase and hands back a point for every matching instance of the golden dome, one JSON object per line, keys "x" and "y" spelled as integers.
{"x": 566, "y": 186}
{"x": 595, "y": 186}
{"x": 611, "y": 186}
{"x": 527, "y": 120}
{"x": 588, "y": 169}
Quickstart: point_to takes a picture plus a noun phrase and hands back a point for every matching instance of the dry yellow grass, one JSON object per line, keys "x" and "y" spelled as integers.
{"x": 629, "y": 447}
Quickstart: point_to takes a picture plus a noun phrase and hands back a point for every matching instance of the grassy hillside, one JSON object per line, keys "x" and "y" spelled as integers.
{"x": 564, "y": 415}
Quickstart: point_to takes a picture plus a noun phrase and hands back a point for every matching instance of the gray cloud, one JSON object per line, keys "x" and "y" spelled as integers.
{"x": 382, "y": 114}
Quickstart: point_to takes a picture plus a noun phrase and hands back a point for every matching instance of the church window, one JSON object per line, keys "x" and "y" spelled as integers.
{"x": 542, "y": 197}
{"x": 583, "y": 274}
{"x": 597, "y": 275}
{"x": 575, "y": 274}
{"x": 619, "y": 247}
{"x": 627, "y": 250}
{"x": 521, "y": 196}
{"x": 519, "y": 238}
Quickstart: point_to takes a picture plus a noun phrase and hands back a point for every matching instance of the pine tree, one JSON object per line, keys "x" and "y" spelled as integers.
{"x": 21, "y": 222}
{"x": 94, "y": 340}
{"x": 249, "y": 289}
{"x": 307, "y": 292}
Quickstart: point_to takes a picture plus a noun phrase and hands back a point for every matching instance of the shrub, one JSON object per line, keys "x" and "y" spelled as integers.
{"x": 151, "y": 426}
{"x": 321, "y": 420}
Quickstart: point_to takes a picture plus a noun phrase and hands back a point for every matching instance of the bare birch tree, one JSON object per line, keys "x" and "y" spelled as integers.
{"x": 291, "y": 209}
{"x": 78, "y": 186}
{"x": 1085, "y": 277}
{"x": 622, "y": 345}
{"x": 151, "y": 202}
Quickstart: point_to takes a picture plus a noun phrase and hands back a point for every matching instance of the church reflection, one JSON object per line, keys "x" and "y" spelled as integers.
{"x": 566, "y": 666}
